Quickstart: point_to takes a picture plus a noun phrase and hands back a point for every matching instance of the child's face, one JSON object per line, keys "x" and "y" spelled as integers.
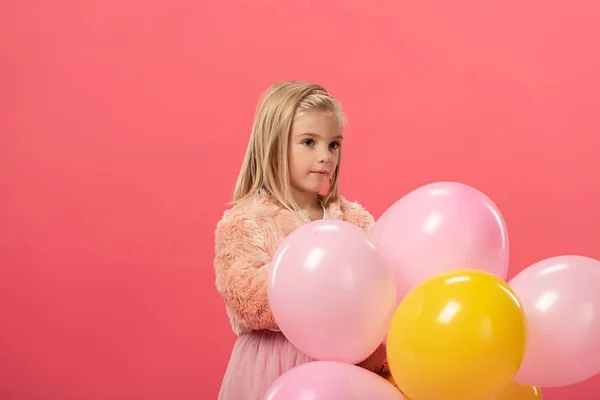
{"x": 314, "y": 151}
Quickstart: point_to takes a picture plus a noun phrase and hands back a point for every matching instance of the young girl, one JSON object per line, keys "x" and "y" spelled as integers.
{"x": 289, "y": 177}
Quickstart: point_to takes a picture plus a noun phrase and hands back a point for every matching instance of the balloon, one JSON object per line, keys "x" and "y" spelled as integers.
{"x": 331, "y": 292}
{"x": 515, "y": 391}
{"x": 440, "y": 227}
{"x": 391, "y": 380}
{"x": 329, "y": 380}
{"x": 460, "y": 335}
{"x": 561, "y": 296}
{"x": 388, "y": 377}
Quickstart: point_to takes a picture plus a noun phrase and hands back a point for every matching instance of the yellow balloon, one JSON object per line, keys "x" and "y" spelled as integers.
{"x": 388, "y": 377}
{"x": 391, "y": 380}
{"x": 460, "y": 335}
{"x": 516, "y": 391}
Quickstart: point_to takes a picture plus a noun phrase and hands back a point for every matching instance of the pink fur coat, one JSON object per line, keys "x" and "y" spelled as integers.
{"x": 246, "y": 239}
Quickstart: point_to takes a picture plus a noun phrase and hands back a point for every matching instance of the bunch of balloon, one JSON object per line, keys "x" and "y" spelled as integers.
{"x": 429, "y": 281}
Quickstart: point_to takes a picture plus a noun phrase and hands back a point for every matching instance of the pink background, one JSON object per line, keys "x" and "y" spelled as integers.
{"x": 123, "y": 124}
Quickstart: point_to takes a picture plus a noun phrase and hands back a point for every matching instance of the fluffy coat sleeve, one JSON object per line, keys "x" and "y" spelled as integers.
{"x": 241, "y": 267}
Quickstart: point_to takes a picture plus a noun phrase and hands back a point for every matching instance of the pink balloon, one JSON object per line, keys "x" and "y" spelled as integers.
{"x": 329, "y": 380}
{"x": 331, "y": 292}
{"x": 441, "y": 227}
{"x": 561, "y": 296}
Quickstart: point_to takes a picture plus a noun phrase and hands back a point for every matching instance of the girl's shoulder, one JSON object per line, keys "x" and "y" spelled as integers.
{"x": 246, "y": 224}
{"x": 250, "y": 211}
{"x": 356, "y": 213}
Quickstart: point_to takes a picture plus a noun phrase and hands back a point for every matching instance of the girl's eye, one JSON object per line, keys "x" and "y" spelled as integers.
{"x": 335, "y": 145}
{"x": 308, "y": 142}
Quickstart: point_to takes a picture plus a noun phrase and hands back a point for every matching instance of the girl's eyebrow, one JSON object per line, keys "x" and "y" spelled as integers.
{"x": 311, "y": 134}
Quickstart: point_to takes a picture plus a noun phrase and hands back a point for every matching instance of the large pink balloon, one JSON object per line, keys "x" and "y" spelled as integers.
{"x": 561, "y": 296}
{"x": 331, "y": 292}
{"x": 441, "y": 227}
{"x": 329, "y": 380}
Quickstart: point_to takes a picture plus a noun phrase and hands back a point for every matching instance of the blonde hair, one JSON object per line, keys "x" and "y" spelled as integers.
{"x": 265, "y": 166}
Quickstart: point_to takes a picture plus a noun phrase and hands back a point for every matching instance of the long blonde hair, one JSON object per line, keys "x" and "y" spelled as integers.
{"x": 265, "y": 167}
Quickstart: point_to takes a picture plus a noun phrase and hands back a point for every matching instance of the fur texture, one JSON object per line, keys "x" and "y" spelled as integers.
{"x": 246, "y": 240}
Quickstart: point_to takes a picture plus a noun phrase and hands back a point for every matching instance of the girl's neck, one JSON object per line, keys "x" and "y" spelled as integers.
{"x": 307, "y": 201}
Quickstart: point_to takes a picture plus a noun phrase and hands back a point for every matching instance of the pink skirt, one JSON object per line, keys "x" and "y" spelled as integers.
{"x": 257, "y": 360}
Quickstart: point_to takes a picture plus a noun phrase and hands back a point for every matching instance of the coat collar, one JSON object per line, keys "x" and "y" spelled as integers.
{"x": 288, "y": 221}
